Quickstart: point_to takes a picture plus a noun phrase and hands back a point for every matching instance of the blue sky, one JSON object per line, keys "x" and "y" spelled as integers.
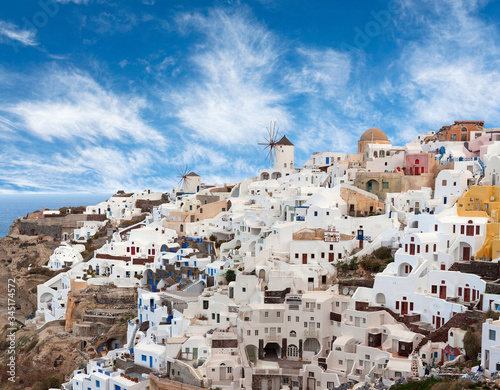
{"x": 104, "y": 95}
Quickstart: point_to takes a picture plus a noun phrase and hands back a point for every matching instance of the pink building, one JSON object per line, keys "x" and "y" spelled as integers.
{"x": 417, "y": 164}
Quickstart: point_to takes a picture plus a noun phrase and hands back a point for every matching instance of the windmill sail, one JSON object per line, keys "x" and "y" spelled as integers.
{"x": 271, "y": 140}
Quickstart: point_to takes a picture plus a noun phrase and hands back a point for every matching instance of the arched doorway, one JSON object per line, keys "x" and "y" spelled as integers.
{"x": 372, "y": 185}
{"x": 312, "y": 345}
{"x": 272, "y": 351}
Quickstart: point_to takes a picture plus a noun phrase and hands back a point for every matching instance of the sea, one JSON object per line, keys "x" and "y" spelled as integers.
{"x": 13, "y": 206}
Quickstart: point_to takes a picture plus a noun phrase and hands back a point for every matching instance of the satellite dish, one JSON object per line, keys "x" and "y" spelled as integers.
{"x": 351, "y": 292}
{"x": 492, "y": 198}
{"x": 345, "y": 291}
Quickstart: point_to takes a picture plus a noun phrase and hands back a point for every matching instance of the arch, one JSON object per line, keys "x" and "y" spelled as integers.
{"x": 312, "y": 345}
{"x": 262, "y": 274}
{"x": 181, "y": 228}
{"x": 404, "y": 269}
{"x": 276, "y": 175}
{"x": 163, "y": 248}
{"x": 292, "y": 351}
{"x": 46, "y": 297}
{"x": 375, "y": 154}
{"x": 272, "y": 351}
{"x": 252, "y": 352}
{"x": 380, "y": 299}
{"x": 372, "y": 185}
{"x": 293, "y": 333}
{"x": 417, "y": 161}
{"x": 264, "y": 176}
{"x": 414, "y": 224}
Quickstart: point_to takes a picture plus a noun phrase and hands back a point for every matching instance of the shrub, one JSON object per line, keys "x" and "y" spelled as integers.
{"x": 472, "y": 343}
{"x": 230, "y": 276}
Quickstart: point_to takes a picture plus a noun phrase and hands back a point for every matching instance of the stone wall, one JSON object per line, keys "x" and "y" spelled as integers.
{"x": 164, "y": 383}
{"x": 485, "y": 270}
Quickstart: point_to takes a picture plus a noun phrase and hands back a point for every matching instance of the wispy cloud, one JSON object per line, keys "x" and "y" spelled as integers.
{"x": 234, "y": 93}
{"x": 71, "y": 105}
{"x": 10, "y": 32}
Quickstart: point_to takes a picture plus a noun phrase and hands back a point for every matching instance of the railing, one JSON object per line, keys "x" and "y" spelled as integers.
{"x": 311, "y": 333}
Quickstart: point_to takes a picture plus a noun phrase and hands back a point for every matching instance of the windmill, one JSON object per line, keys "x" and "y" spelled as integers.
{"x": 182, "y": 174}
{"x": 271, "y": 140}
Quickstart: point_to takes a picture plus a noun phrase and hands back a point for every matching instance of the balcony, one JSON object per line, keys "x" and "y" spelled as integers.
{"x": 311, "y": 333}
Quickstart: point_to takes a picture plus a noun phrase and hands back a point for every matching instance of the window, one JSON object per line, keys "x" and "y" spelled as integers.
{"x": 289, "y": 318}
{"x": 249, "y": 332}
{"x": 315, "y": 213}
{"x": 492, "y": 334}
{"x": 470, "y": 230}
{"x": 318, "y": 325}
{"x": 454, "y": 228}
{"x": 341, "y": 362}
{"x": 305, "y": 324}
{"x": 397, "y": 305}
{"x": 293, "y": 351}
{"x": 296, "y": 255}
{"x": 460, "y": 291}
{"x": 322, "y": 255}
{"x": 434, "y": 247}
{"x": 385, "y": 184}
{"x": 205, "y": 305}
{"x": 477, "y": 230}
{"x": 444, "y": 182}
{"x": 266, "y": 314}
{"x": 296, "y": 319}
{"x": 462, "y": 229}
{"x": 97, "y": 384}
{"x": 144, "y": 358}
{"x": 426, "y": 248}
{"x": 278, "y": 314}
{"x": 434, "y": 289}
{"x": 117, "y": 387}
{"x": 256, "y": 332}
{"x": 266, "y": 330}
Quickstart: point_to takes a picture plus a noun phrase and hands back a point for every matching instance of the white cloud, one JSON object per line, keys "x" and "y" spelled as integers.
{"x": 74, "y": 1}
{"x": 323, "y": 71}
{"x": 14, "y": 33}
{"x": 69, "y": 105}
{"x": 234, "y": 96}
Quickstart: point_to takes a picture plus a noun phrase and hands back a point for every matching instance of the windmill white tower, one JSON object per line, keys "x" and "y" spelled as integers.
{"x": 189, "y": 182}
{"x": 284, "y": 154}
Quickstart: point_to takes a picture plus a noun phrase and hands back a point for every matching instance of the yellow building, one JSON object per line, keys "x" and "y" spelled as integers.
{"x": 483, "y": 201}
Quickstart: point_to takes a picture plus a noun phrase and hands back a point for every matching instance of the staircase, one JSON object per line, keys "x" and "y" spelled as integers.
{"x": 414, "y": 365}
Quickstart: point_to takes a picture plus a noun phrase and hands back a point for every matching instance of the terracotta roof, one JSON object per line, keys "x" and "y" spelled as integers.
{"x": 373, "y": 134}
{"x": 284, "y": 141}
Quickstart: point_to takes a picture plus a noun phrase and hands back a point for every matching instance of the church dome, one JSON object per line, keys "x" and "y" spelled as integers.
{"x": 373, "y": 134}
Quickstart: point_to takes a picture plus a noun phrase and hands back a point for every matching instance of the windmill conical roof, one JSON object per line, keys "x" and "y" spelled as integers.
{"x": 192, "y": 174}
{"x": 284, "y": 141}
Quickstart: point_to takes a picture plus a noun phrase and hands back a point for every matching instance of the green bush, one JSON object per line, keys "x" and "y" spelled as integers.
{"x": 230, "y": 276}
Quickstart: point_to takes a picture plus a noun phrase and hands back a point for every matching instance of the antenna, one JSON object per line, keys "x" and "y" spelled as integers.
{"x": 271, "y": 140}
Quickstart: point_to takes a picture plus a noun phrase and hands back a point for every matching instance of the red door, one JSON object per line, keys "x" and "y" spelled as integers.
{"x": 331, "y": 257}
{"x": 417, "y": 171}
{"x": 412, "y": 249}
{"x": 466, "y": 294}
{"x": 466, "y": 253}
{"x": 442, "y": 292}
{"x": 304, "y": 258}
{"x": 438, "y": 322}
{"x": 404, "y": 308}
{"x": 132, "y": 250}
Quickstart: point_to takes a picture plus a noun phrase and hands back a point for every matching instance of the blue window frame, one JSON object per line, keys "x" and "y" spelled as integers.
{"x": 97, "y": 384}
{"x": 144, "y": 358}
